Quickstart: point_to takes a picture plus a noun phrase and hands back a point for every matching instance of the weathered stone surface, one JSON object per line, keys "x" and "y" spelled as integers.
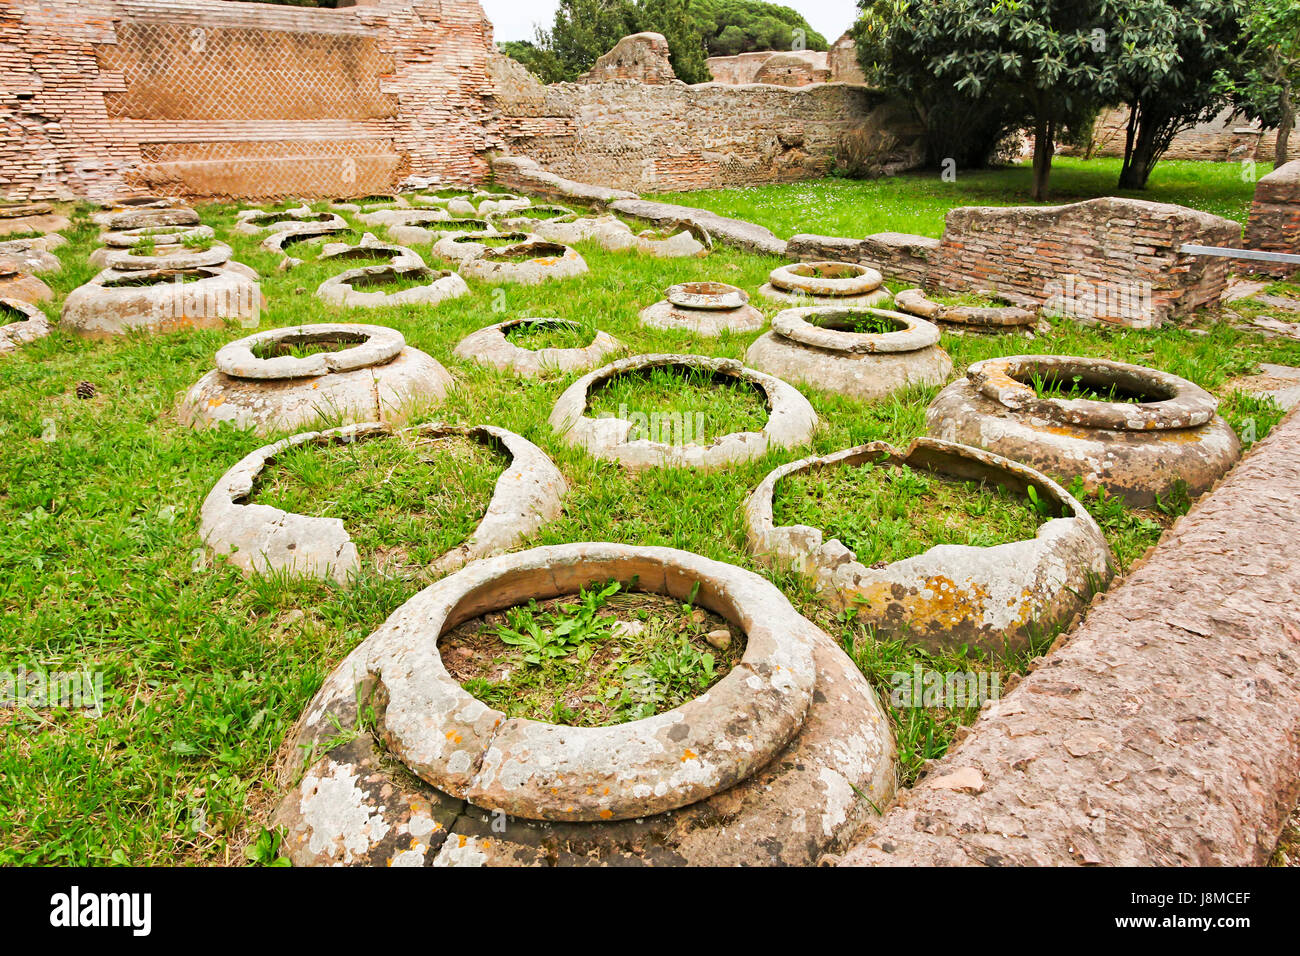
{"x": 737, "y": 232}
{"x": 525, "y": 220}
{"x": 23, "y": 286}
{"x": 897, "y": 255}
{"x": 115, "y": 303}
{"x": 917, "y": 302}
{"x": 1278, "y": 382}
{"x": 215, "y": 256}
{"x": 825, "y": 283}
{"x": 254, "y": 222}
{"x": 642, "y": 57}
{"x": 350, "y": 288}
{"x": 608, "y": 232}
{"x": 20, "y": 322}
{"x": 1170, "y": 717}
{"x": 1274, "y": 223}
{"x": 470, "y": 245}
{"x": 418, "y": 228}
{"x": 1109, "y": 260}
{"x": 176, "y": 235}
{"x": 376, "y": 377}
{"x": 490, "y": 346}
{"x": 1138, "y": 450}
{"x": 545, "y": 261}
{"x": 399, "y": 257}
{"x": 25, "y": 255}
{"x": 790, "y": 805}
{"x": 520, "y": 172}
{"x": 259, "y": 538}
{"x": 992, "y": 598}
{"x": 705, "y": 308}
{"x": 23, "y": 224}
{"x": 300, "y": 232}
{"x": 147, "y": 218}
{"x": 812, "y": 347}
{"x": 791, "y": 420}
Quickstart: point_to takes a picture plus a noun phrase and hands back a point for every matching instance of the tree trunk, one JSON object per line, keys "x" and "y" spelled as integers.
{"x": 1139, "y": 144}
{"x": 1044, "y": 133}
{"x": 1284, "y": 126}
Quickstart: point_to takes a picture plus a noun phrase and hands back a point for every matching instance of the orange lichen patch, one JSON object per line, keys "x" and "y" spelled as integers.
{"x": 1180, "y": 436}
{"x": 1066, "y": 431}
{"x": 606, "y": 814}
{"x": 453, "y": 736}
{"x": 943, "y": 603}
{"x": 690, "y": 755}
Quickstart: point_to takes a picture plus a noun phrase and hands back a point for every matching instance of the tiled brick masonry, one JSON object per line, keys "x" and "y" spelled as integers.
{"x": 1274, "y": 223}
{"x": 1225, "y": 137}
{"x": 626, "y": 135}
{"x": 1107, "y": 245}
{"x": 225, "y": 98}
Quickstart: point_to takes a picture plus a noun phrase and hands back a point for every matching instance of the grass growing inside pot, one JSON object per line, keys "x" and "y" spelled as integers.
{"x": 405, "y": 500}
{"x": 683, "y": 400}
{"x": 604, "y": 656}
{"x": 967, "y": 300}
{"x": 205, "y": 671}
{"x": 1048, "y": 385}
{"x": 278, "y": 348}
{"x": 542, "y": 335}
{"x": 885, "y": 514}
{"x": 863, "y": 323}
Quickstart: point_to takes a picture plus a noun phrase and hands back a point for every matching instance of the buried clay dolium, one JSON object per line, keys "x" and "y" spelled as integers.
{"x": 260, "y": 538}
{"x": 493, "y": 346}
{"x": 1139, "y": 432}
{"x": 996, "y": 598}
{"x": 289, "y": 378}
{"x": 780, "y": 748}
{"x": 858, "y": 351}
{"x": 791, "y": 419}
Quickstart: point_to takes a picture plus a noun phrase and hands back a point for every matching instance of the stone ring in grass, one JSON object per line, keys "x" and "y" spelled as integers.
{"x": 529, "y": 262}
{"x": 261, "y": 539}
{"x": 790, "y": 747}
{"x": 706, "y": 308}
{"x": 20, "y": 322}
{"x": 576, "y": 349}
{"x": 825, "y": 283}
{"x": 1006, "y": 315}
{"x": 1030, "y": 560}
{"x": 790, "y": 418}
{"x": 373, "y": 287}
{"x": 1139, "y": 432}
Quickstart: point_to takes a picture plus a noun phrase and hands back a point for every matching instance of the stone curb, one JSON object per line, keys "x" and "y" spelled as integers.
{"x": 791, "y": 420}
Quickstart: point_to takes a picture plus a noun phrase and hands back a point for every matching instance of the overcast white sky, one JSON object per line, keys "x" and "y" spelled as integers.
{"x": 515, "y": 19}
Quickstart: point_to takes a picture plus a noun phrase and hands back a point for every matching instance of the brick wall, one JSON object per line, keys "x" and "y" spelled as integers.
{"x": 642, "y": 57}
{"x": 219, "y": 98}
{"x": 1274, "y": 223}
{"x": 1109, "y": 260}
{"x": 627, "y": 135}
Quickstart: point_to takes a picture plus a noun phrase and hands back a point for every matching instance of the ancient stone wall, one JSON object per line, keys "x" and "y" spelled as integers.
{"x": 791, "y": 67}
{"x": 212, "y": 98}
{"x": 1117, "y": 260}
{"x": 642, "y": 57}
{"x": 1274, "y": 223}
{"x": 1226, "y": 137}
{"x": 628, "y": 135}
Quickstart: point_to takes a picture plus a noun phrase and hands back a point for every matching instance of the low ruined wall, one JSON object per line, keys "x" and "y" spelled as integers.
{"x": 1274, "y": 223}
{"x": 1225, "y": 137}
{"x": 627, "y": 135}
{"x": 1112, "y": 260}
{"x": 216, "y": 98}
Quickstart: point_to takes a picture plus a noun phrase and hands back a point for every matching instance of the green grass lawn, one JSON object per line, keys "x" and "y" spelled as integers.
{"x": 917, "y": 202}
{"x": 205, "y": 671}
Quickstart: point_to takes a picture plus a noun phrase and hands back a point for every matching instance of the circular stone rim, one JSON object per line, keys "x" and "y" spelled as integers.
{"x": 732, "y": 298}
{"x": 520, "y": 360}
{"x": 1188, "y": 405}
{"x": 238, "y": 360}
{"x": 217, "y": 254}
{"x": 915, "y": 335}
{"x": 788, "y": 410}
{"x": 809, "y": 550}
{"x": 126, "y": 238}
{"x": 426, "y": 713}
{"x": 785, "y": 279}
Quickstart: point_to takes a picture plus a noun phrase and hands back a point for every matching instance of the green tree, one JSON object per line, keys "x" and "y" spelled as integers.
{"x": 990, "y": 66}
{"x": 1167, "y": 59}
{"x": 1265, "y": 88}
{"x": 741, "y": 26}
{"x": 675, "y": 20}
